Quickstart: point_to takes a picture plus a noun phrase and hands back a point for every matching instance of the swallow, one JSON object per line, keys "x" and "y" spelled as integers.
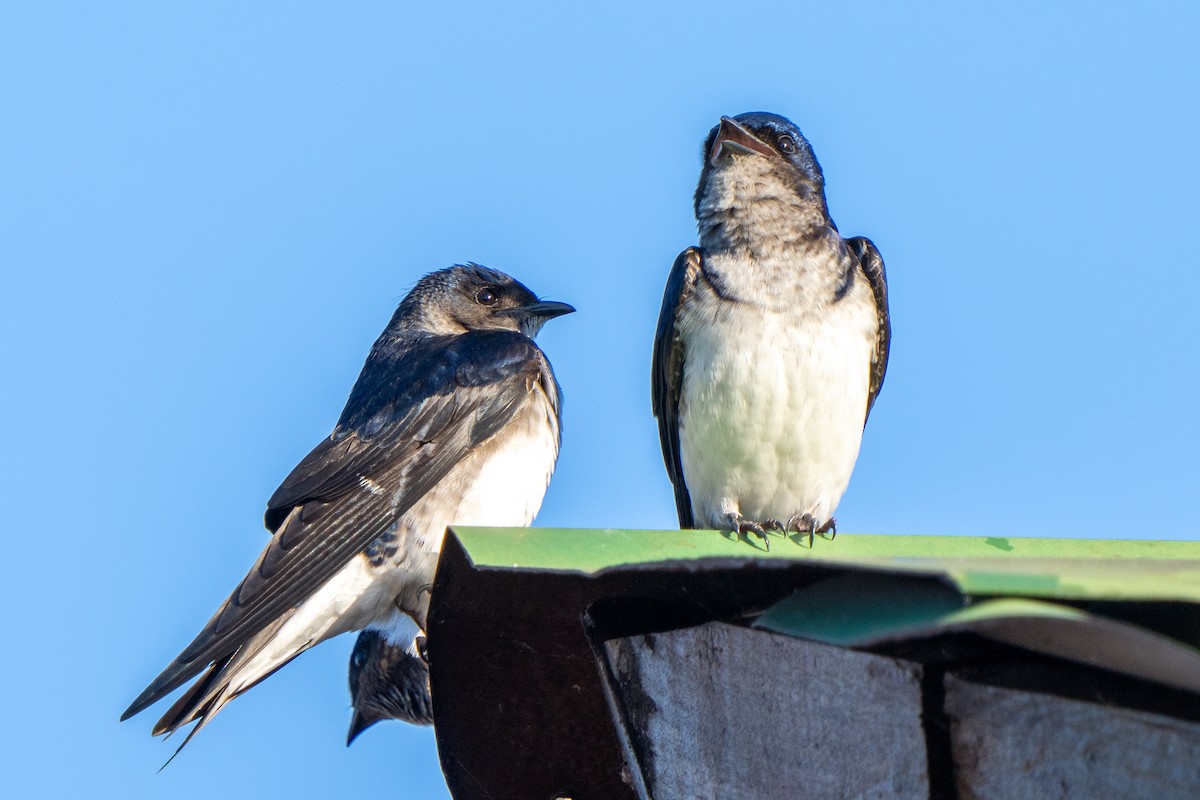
{"x": 389, "y": 678}
{"x": 453, "y": 419}
{"x": 772, "y": 341}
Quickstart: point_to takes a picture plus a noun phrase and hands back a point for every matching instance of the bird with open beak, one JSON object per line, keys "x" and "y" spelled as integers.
{"x": 772, "y": 341}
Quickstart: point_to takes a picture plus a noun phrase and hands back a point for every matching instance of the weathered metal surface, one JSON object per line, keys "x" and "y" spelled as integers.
{"x": 1012, "y": 744}
{"x": 520, "y": 706}
{"x": 519, "y": 618}
{"x": 720, "y": 711}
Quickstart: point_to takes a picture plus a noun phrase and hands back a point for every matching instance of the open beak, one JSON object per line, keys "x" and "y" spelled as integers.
{"x": 733, "y": 138}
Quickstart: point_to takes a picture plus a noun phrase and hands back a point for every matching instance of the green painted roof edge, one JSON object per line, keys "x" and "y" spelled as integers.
{"x": 1068, "y": 568}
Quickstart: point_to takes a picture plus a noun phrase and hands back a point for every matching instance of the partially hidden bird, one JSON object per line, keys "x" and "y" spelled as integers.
{"x": 454, "y": 419}
{"x": 389, "y": 677}
{"x": 772, "y": 341}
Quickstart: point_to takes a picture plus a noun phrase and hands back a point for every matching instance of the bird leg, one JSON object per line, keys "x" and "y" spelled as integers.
{"x": 736, "y": 522}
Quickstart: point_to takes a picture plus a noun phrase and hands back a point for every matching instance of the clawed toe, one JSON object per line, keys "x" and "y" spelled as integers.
{"x": 830, "y": 528}
{"x": 746, "y": 526}
{"x": 807, "y": 524}
{"x": 736, "y": 522}
{"x": 422, "y": 647}
{"x": 804, "y": 524}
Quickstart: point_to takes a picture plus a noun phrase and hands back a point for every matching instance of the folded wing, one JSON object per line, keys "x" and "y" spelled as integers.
{"x": 400, "y": 435}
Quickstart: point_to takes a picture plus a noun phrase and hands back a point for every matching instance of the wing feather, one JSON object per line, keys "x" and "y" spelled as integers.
{"x": 329, "y": 509}
{"x": 870, "y": 262}
{"x": 666, "y": 374}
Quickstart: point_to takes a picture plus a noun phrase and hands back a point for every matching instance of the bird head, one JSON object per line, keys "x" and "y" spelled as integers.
{"x": 387, "y": 681}
{"x": 470, "y": 297}
{"x": 758, "y": 148}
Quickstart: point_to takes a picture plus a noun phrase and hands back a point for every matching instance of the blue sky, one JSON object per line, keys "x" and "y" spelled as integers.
{"x": 209, "y": 211}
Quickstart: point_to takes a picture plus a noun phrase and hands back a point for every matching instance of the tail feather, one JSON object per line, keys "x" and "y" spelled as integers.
{"x": 224, "y": 680}
{"x": 190, "y": 703}
{"x": 343, "y": 603}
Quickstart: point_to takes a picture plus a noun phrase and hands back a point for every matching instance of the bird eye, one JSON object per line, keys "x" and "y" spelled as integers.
{"x": 787, "y": 144}
{"x": 486, "y": 296}
{"x": 359, "y": 658}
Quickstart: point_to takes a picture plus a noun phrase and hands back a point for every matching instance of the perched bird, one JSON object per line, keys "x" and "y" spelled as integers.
{"x": 389, "y": 678}
{"x": 453, "y": 419}
{"x": 772, "y": 341}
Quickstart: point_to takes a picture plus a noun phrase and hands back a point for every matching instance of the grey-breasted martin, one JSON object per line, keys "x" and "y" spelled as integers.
{"x": 389, "y": 678}
{"x": 772, "y": 341}
{"x": 453, "y": 419}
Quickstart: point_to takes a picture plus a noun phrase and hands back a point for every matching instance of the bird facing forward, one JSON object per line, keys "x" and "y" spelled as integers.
{"x": 772, "y": 340}
{"x": 453, "y": 419}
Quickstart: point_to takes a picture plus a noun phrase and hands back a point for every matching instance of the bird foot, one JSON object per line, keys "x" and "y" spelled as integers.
{"x": 739, "y": 524}
{"x": 422, "y": 645}
{"x": 803, "y": 523}
{"x": 807, "y": 524}
{"x": 830, "y": 528}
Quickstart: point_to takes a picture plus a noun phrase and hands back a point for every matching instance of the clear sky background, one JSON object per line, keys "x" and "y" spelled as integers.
{"x": 209, "y": 211}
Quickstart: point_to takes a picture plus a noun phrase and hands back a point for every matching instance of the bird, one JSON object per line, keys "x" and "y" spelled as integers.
{"x": 454, "y": 418}
{"x": 772, "y": 341}
{"x": 389, "y": 677}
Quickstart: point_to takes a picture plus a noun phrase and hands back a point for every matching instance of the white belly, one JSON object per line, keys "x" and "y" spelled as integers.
{"x": 501, "y": 484}
{"x": 772, "y": 409}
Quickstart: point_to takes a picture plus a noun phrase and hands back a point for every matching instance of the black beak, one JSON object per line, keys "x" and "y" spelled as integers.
{"x": 358, "y": 723}
{"x": 543, "y": 309}
{"x": 733, "y": 138}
